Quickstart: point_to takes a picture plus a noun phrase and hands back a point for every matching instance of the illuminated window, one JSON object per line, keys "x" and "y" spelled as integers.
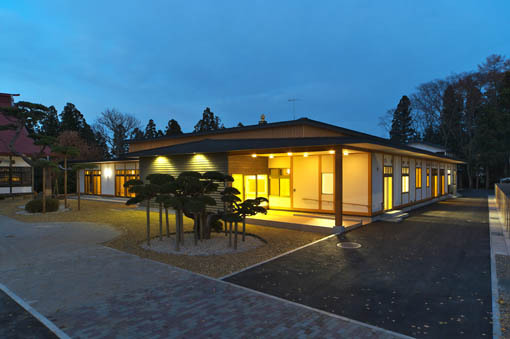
{"x": 449, "y": 177}
{"x": 21, "y": 176}
{"x": 121, "y": 177}
{"x": 405, "y": 179}
{"x": 327, "y": 183}
{"x": 428, "y": 177}
{"x": 279, "y": 182}
{"x": 418, "y": 177}
{"x": 93, "y": 182}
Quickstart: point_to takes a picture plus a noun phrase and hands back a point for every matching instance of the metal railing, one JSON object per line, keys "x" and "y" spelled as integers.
{"x": 502, "y": 193}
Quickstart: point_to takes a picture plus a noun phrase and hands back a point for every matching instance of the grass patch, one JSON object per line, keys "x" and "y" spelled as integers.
{"x": 131, "y": 222}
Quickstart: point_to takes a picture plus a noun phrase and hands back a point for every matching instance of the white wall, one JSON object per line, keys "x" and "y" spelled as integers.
{"x": 108, "y": 179}
{"x": 355, "y": 183}
{"x": 377, "y": 182}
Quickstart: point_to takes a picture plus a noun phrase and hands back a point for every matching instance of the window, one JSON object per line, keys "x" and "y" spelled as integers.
{"x": 327, "y": 183}
{"x": 279, "y": 182}
{"x": 449, "y": 177}
{"x": 21, "y": 176}
{"x": 428, "y": 177}
{"x": 121, "y": 177}
{"x": 92, "y": 182}
{"x": 405, "y": 179}
{"x": 418, "y": 177}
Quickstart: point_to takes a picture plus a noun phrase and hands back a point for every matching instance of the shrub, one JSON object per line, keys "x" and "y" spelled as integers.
{"x": 35, "y": 206}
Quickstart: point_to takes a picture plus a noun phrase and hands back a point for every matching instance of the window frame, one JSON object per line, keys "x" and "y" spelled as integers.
{"x": 418, "y": 177}
{"x": 405, "y": 171}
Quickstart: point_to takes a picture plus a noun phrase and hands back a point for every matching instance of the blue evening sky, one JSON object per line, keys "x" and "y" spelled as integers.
{"x": 346, "y": 61}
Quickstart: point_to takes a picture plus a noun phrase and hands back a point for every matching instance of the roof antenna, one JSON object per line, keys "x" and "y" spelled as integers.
{"x": 293, "y": 100}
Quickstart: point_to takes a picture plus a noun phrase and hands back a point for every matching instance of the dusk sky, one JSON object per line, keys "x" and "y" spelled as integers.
{"x": 346, "y": 61}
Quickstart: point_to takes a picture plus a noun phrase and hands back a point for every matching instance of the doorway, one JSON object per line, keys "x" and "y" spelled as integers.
{"x": 388, "y": 187}
{"x": 434, "y": 182}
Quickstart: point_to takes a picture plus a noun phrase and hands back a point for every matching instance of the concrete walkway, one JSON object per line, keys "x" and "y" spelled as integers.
{"x": 89, "y": 290}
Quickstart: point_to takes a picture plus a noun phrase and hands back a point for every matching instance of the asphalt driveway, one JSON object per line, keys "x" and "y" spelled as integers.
{"x": 428, "y": 276}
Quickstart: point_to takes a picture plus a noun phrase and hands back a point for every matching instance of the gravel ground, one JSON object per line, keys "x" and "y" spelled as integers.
{"x": 217, "y": 245}
{"x": 132, "y": 225}
{"x": 503, "y": 271}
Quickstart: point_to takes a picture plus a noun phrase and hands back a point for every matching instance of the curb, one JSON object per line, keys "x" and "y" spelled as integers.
{"x": 496, "y": 326}
{"x": 42, "y": 319}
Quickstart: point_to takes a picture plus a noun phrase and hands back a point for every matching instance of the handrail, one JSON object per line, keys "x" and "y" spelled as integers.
{"x": 503, "y": 203}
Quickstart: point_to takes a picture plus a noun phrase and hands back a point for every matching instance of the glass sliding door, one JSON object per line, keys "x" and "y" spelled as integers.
{"x": 388, "y": 187}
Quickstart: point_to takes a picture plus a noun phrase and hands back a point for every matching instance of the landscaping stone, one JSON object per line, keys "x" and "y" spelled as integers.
{"x": 217, "y": 245}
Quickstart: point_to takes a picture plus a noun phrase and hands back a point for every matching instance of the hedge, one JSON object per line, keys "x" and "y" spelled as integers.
{"x": 35, "y": 206}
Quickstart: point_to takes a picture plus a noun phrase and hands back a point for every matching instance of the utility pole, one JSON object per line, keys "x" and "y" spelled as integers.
{"x": 293, "y": 100}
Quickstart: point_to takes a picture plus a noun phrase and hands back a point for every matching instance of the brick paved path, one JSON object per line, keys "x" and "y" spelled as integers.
{"x": 92, "y": 291}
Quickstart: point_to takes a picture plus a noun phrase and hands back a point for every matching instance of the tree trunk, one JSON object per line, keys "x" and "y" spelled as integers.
{"x": 44, "y": 190}
{"x": 160, "y": 221}
{"x": 78, "y": 186}
{"x": 487, "y": 178}
{"x": 148, "y": 222}
{"x": 33, "y": 183}
{"x": 181, "y": 226}
{"x": 230, "y": 234}
{"x": 195, "y": 228}
{"x": 244, "y": 229}
{"x": 167, "y": 224}
{"x": 10, "y": 177}
{"x": 65, "y": 182}
{"x": 177, "y": 231}
{"x": 235, "y": 235}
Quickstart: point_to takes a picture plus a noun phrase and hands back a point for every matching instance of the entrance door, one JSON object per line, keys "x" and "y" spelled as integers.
{"x": 305, "y": 182}
{"x": 434, "y": 182}
{"x": 388, "y": 188}
{"x": 442, "y": 182}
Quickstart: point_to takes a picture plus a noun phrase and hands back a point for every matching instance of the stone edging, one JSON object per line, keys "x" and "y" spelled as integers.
{"x": 42, "y": 319}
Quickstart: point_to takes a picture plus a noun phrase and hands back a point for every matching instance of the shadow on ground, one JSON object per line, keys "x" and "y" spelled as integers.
{"x": 428, "y": 276}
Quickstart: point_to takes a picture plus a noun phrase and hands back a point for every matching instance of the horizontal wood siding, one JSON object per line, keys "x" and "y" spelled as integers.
{"x": 299, "y": 131}
{"x": 176, "y": 164}
{"x": 245, "y": 164}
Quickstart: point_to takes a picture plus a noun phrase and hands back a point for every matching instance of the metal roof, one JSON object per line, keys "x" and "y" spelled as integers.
{"x": 297, "y": 122}
{"x": 285, "y": 145}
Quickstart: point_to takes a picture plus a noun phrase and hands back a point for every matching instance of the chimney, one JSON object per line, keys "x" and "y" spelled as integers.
{"x": 262, "y": 120}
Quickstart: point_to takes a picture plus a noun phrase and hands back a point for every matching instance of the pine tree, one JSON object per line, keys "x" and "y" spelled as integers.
{"x": 72, "y": 120}
{"x": 137, "y": 134}
{"x": 402, "y": 130}
{"x": 451, "y": 119}
{"x": 150, "y": 130}
{"x": 209, "y": 122}
{"x": 49, "y": 124}
{"x": 173, "y": 128}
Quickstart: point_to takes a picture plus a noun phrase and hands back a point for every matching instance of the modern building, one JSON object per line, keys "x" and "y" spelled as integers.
{"x": 300, "y": 165}
{"x": 16, "y": 176}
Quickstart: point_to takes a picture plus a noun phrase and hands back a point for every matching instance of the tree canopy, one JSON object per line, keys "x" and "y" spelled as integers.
{"x": 209, "y": 122}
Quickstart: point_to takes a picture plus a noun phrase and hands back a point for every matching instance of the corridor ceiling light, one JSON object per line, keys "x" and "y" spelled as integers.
{"x": 288, "y": 170}
{"x": 346, "y": 153}
{"x": 305, "y": 154}
{"x": 332, "y": 151}
{"x": 271, "y": 156}
{"x": 289, "y": 154}
{"x": 253, "y": 155}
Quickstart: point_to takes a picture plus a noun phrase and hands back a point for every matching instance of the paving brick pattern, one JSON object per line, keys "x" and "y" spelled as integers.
{"x": 91, "y": 291}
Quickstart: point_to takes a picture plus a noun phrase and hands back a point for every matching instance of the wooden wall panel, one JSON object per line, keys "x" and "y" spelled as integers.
{"x": 245, "y": 164}
{"x": 299, "y": 131}
{"x": 177, "y": 164}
